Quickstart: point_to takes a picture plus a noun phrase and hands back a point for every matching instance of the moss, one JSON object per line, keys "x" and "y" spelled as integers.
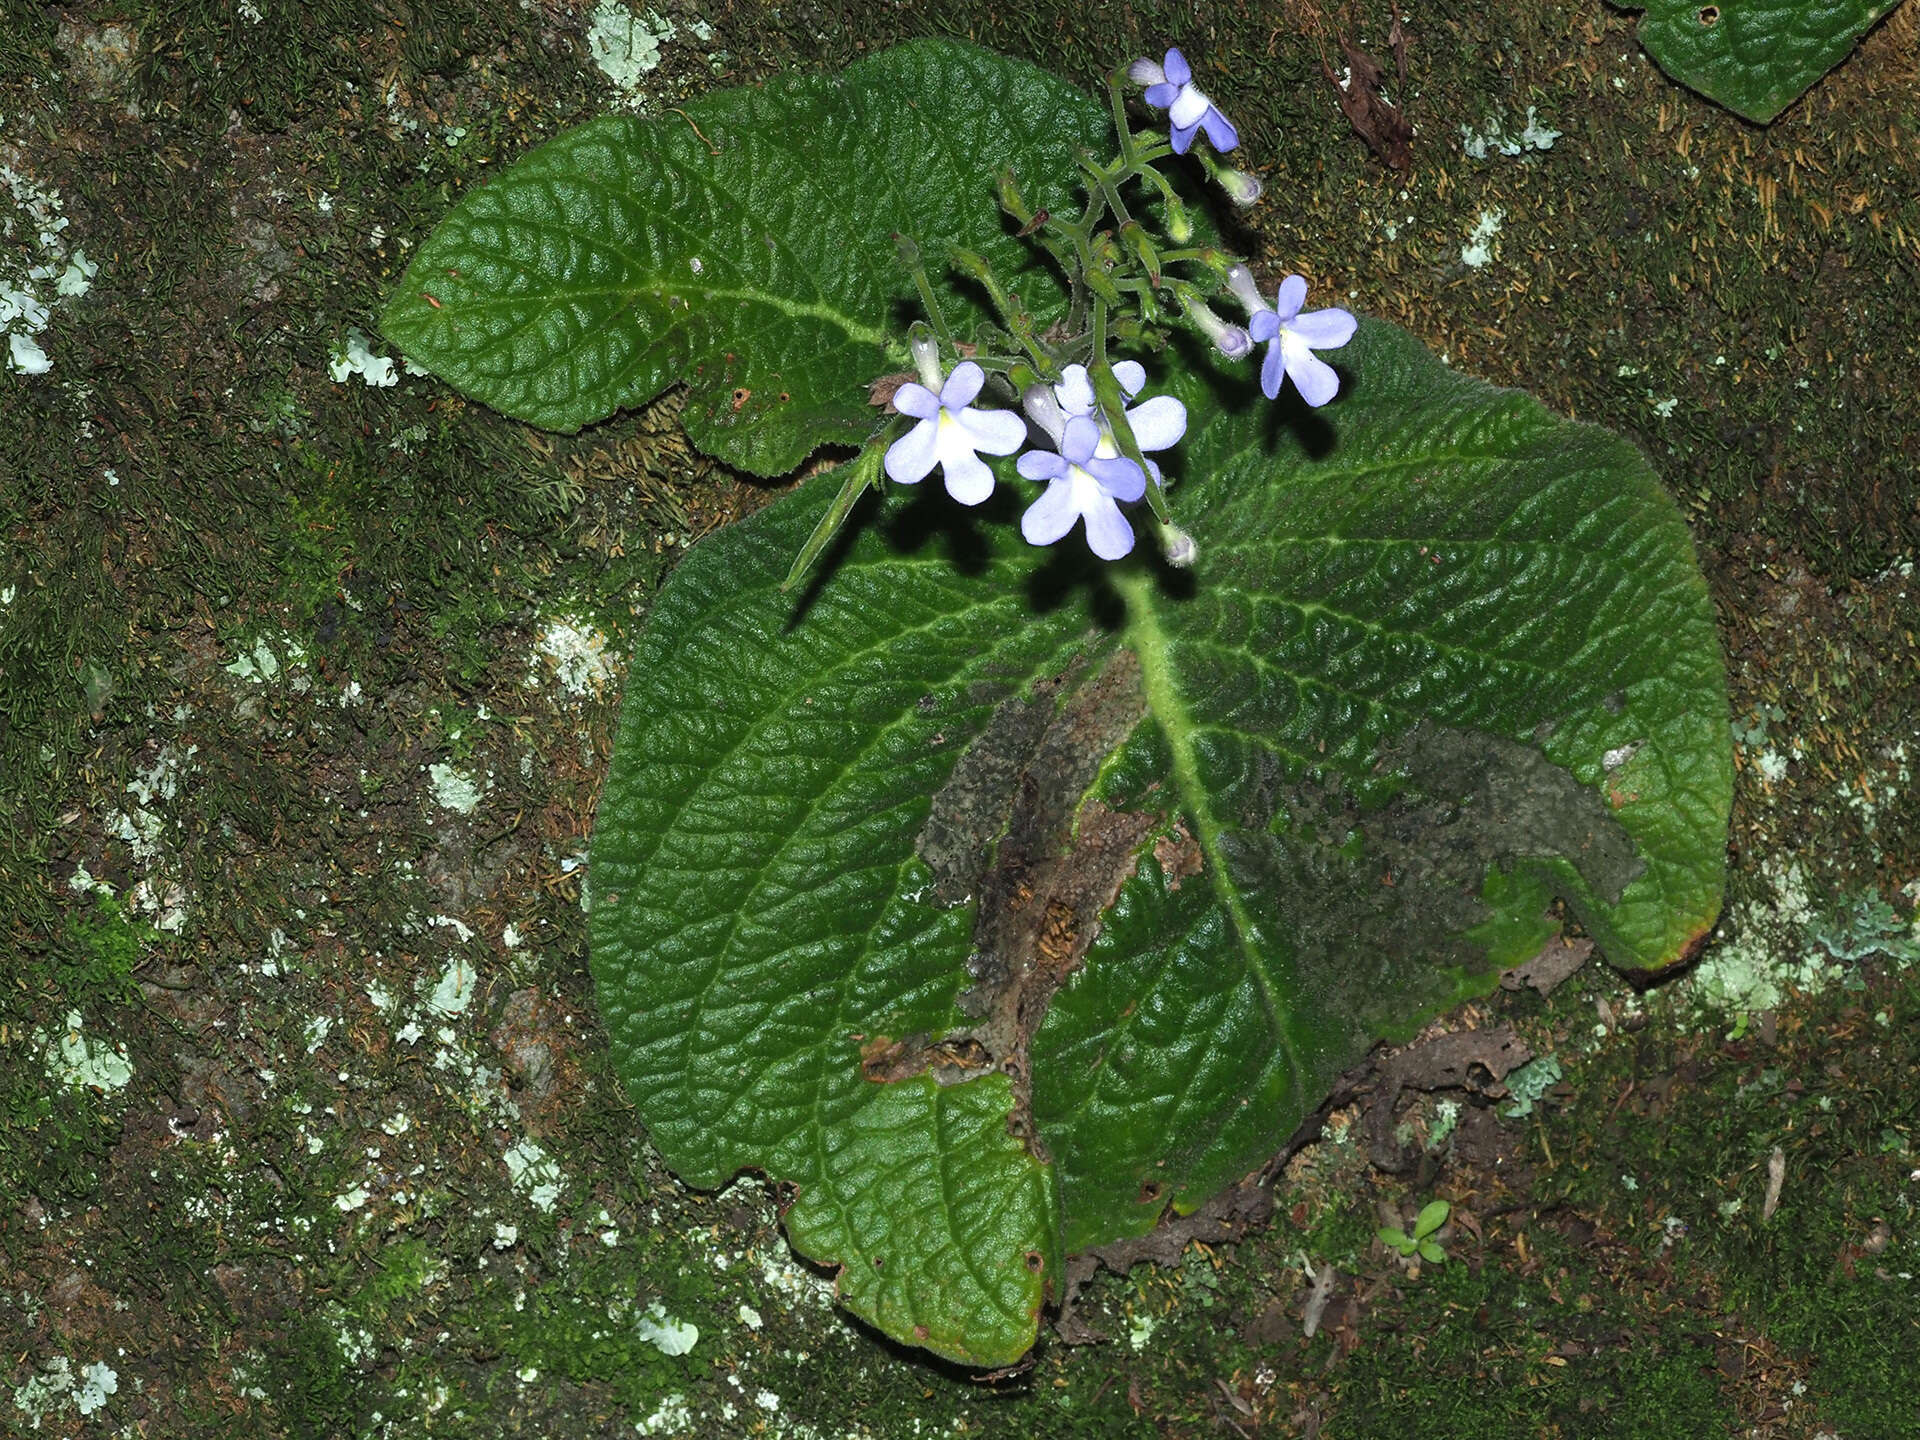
{"x": 1680, "y": 1168}
{"x": 1500, "y": 1350}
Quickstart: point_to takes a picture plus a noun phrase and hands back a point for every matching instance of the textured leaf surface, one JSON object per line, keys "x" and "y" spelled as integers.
{"x": 1138, "y": 863}
{"x": 1756, "y": 57}
{"x": 757, "y": 265}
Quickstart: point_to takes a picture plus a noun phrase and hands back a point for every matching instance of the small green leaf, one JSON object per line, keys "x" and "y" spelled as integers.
{"x": 744, "y": 247}
{"x": 1432, "y": 1253}
{"x": 1756, "y": 57}
{"x": 1398, "y": 1239}
{"x": 1431, "y": 1217}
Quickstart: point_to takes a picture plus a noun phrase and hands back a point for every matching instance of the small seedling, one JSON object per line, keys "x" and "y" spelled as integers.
{"x": 1431, "y": 1217}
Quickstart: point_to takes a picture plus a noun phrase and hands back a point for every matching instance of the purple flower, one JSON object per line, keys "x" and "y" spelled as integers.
{"x": 950, "y": 433}
{"x": 1170, "y": 87}
{"x": 1295, "y": 337}
{"x": 1081, "y": 485}
{"x": 1157, "y": 424}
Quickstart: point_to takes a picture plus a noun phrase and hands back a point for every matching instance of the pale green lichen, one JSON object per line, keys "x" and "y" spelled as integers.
{"x": 671, "y": 1336}
{"x": 1493, "y": 140}
{"x": 74, "y": 1060}
{"x": 1783, "y": 943}
{"x": 454, "y": 789}
{"x": 1529, "y": 1083}
{"x": 1478, "y": 251}
{"x": 455, "y": 991}
{"x": 535, "y": 1173}
{"x": 577, "y": 655}
{"x": 263, "y": 662}
{"x": 625, "y": 46}
{"x": 353, "y": 356}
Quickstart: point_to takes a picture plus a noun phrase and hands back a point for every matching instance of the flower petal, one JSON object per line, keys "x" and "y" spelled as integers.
{"x": 962, "y": 385}
{"x": 1263, "y": 325}
{"x": 1189, "y": 108}
{"x": 1315, "y": 379}
{"x": 1146, "y": 72}
{"x": 1272, "y": 370}
{"x": 1325, "y": 329}
{"x": 1180, "y": 139}
{"x": 1041, "y": 465}
{"x": 1162, "y": 95}
{"x": 1052, "y": 515}
{"x": 1043, "y": 408}
{"x": 1178, "y": 71}
{"x": 998, "y": 432}
{"x": 1158, "y": 423}
{"x": 911, "y": 456}
{"x": 1082, "y": 438}
{"x": 968, "y": 479}
{"x": 1122, "y": 479}
{"x": 1293, "y": 294}
{"x": 1132, "y": 376}
{"x": 916, "y": 400}
{"x": 1075, "y": 390}
{"x": 1108, "y": 534}
{"x": 1220, "y": 132}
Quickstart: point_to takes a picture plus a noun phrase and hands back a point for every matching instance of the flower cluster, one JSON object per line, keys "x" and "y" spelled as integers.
{"x": 1088, "y": 444}
{"x": 1086, "y": 474}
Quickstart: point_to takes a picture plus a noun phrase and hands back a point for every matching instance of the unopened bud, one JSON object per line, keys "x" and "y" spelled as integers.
{"x": 1178, "y": 546}
{"x": 1179, "y": 227}
{"x": 1242, "y": 189}
{"x": 1135, "y": 235}
{"x": 1044, "y": 410}
{"x": 1240, "y": 282}
{"x": 1230, "y": 340}
{"x": 926, "y": 355}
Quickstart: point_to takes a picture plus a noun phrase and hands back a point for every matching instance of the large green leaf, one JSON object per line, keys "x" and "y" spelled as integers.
{"x": 998, "y": 902}
{"x": 1756, "y": 57}
{"x": 743, "y": 246}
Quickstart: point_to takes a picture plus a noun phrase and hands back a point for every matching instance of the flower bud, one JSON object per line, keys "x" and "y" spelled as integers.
{"x": 926, "y": 355}
{"x": 1044, "y": 410}
{"x": 1146, "y": 72}
{"x": 1179, "y": 227}
{"x": 1240, "y": 282}
{"x": 1230, "y": 340}
{"x": 1242, "y": 189}
{"x": 1011, "y": 199}
{"x": 1178, "y": 546}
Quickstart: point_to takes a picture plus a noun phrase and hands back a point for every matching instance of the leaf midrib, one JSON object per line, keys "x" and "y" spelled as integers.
{"x": 1273, "y": 974}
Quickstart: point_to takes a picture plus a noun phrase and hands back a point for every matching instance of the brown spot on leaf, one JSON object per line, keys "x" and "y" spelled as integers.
{"x": 955, "y": 1058}
{"x": 1179, "y": 855}
{"x": 1013, "y": 831}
